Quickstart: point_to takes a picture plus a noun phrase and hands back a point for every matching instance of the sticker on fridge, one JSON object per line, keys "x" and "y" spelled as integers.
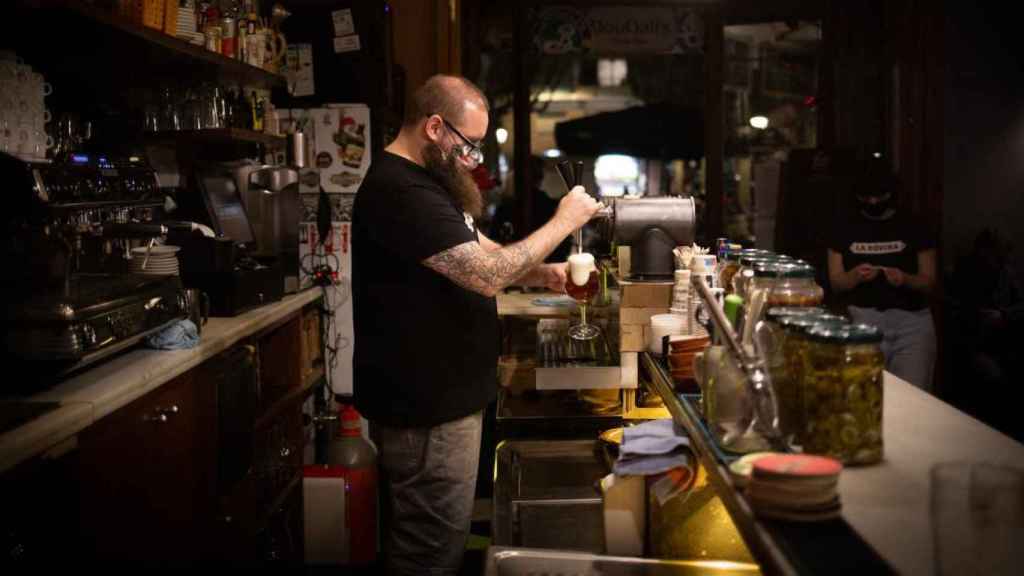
{"x": 342, "y": 146}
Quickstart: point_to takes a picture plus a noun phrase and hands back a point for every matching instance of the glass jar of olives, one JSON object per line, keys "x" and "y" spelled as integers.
{"x": 842, "y": 393}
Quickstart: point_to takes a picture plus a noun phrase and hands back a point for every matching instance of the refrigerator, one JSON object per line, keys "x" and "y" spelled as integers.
{"x": 338, "y": 70}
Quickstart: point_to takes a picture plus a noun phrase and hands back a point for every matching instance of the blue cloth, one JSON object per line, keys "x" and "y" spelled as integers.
{"x": 652, "y": 448}
{"x": 561, "y": 301}
{"x": 653, "y": 437}
{"x": 181, "y": 335}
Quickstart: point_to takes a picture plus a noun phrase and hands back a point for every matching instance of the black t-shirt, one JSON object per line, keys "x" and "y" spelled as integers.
{"x": 426, "y": 349}
{"x": 894, "y": 243}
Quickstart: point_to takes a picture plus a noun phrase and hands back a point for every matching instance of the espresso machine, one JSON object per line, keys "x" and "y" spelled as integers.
{"x": 70, "y": 228}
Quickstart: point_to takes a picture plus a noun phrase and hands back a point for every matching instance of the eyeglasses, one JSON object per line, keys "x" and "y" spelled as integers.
{"x": 470, "y": 150}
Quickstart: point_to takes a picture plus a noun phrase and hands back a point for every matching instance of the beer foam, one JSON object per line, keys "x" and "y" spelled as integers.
{"x": 580, "y": 267}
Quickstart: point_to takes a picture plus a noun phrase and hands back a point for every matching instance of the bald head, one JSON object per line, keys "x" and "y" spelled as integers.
{"x": 449, "y": 96}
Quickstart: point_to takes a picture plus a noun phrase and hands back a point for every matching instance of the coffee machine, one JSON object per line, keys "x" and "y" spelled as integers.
{"x": 275, "y": 209}
{"x": 71, "y": 226}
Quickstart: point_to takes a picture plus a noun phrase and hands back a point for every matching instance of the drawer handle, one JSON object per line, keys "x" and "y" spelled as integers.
{"x": 161, "y": 415}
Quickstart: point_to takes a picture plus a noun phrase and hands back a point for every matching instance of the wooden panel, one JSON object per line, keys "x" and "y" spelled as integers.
{"x": 280, "y": 362}
{"x": 146, "y": 475}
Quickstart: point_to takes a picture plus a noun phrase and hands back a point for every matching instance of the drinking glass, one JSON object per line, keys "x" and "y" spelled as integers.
{"x": 581, "y": 283}
{"x": 977, "y": 513}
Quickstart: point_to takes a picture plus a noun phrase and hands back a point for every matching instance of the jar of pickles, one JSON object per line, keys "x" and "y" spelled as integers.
{"x": 744, "y": 275}
{"x": 787, "y": 366}
{"x": 843, "y": 393}
{"x": 795, "y": 286}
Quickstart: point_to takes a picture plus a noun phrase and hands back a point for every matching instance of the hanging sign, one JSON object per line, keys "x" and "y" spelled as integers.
{"x": 613, "y": 30}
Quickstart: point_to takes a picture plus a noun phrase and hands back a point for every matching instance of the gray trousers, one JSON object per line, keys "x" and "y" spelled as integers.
{"x": 909, "y": 342}
{"x": 430, "y": 476}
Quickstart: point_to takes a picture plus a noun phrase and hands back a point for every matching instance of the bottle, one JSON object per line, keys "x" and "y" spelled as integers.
{"x": 257, "y": 112}
{"x": 352, "y": 465}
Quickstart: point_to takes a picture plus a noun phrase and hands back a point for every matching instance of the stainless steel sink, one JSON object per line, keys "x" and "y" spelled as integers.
{"x": 546, "y": 495}
{"x": 505, "y": 561}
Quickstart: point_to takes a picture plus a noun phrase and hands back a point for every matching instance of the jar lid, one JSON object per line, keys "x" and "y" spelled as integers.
{"x": 845, "y": 334}
{"x": 769, "y": 269}
{"x": 776, "y": 312}
{"x": 748, "y": 260}
{"x": 732, "y": 256}
{"x": 793, "y": 270}
{"x": 808, "y": 321}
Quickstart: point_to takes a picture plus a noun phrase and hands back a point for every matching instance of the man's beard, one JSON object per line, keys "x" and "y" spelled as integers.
{"x": 456, "y": 180}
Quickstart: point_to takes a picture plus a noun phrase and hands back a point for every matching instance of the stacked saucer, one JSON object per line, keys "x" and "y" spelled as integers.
{"x": 795, "y": 487}
{"x": 162, "y": 261}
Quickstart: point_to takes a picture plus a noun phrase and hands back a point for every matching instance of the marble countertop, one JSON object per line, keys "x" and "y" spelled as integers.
{"x": 95, "y": 393}
{"x": 888, "y": 503}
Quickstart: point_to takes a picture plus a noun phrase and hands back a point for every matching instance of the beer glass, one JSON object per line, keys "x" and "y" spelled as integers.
{"x": 581, "y": 284}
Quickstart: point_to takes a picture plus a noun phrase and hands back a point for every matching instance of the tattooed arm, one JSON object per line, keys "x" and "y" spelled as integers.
{"x": 487, "y": 272}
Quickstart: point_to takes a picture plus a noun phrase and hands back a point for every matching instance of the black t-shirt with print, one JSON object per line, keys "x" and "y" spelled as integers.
{"x": 893, "y": 243}
{"x": 426, "y": 349}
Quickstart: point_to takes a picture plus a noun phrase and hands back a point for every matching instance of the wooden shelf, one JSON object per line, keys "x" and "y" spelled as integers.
{"x": 297, "y": 395}
{"x": 163, "y": 48}
{"x": 218, "y": 136}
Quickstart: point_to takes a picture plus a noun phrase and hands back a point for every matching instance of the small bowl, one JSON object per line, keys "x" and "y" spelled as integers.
{"x": 685, "y": 343}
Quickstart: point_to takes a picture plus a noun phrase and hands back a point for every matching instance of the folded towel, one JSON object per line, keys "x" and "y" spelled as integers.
{"x": 653, "y": 464}
{"x": 181, "y": 335}
{"x": 653, "y": 437}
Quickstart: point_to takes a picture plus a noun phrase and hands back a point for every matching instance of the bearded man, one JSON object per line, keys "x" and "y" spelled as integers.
{"x": 424, "y": 281}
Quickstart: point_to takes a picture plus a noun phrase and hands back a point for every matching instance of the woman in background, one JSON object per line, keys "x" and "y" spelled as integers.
{"x": 884, "y": 262}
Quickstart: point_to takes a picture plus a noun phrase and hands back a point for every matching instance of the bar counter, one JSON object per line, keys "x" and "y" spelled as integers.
{"x": 885, "y": 505}
{"x": 98, "y": 391}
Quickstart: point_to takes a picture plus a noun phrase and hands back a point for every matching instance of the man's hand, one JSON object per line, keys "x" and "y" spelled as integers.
{"x": 577, "y": 207}
{"x": 864, "y": 272}
{"x": 894, "y": 276}
{"x": 550, "y": 276}
{"x": 554, "y": 276}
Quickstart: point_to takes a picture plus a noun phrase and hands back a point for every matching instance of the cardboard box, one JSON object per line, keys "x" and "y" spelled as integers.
{"x": 639, "y": 315}
{"x": 630, "y": 363}
{"x": 624, "y": 261}
{"x": 645, "y": 294}
{"x": 625, "y": 514}
{"x": 633, "y": 337}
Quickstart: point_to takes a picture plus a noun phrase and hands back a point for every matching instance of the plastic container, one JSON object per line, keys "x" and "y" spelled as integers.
{"x": 843, "y": 393}
{"x": 345, "y": 487}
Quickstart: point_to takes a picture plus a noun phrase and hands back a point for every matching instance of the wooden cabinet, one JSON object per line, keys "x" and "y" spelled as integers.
{"x": 209, "y": 465}
{"x": 147, "y": 474}
{"x": 259, "y": 516}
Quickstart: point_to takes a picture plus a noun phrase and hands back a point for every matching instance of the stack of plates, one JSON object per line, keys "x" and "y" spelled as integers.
{"x": 742, "y": 469}
{"x": 163, "y": 260}
{"x": 795, "y": 487}
{"x": 186, "y": 25}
